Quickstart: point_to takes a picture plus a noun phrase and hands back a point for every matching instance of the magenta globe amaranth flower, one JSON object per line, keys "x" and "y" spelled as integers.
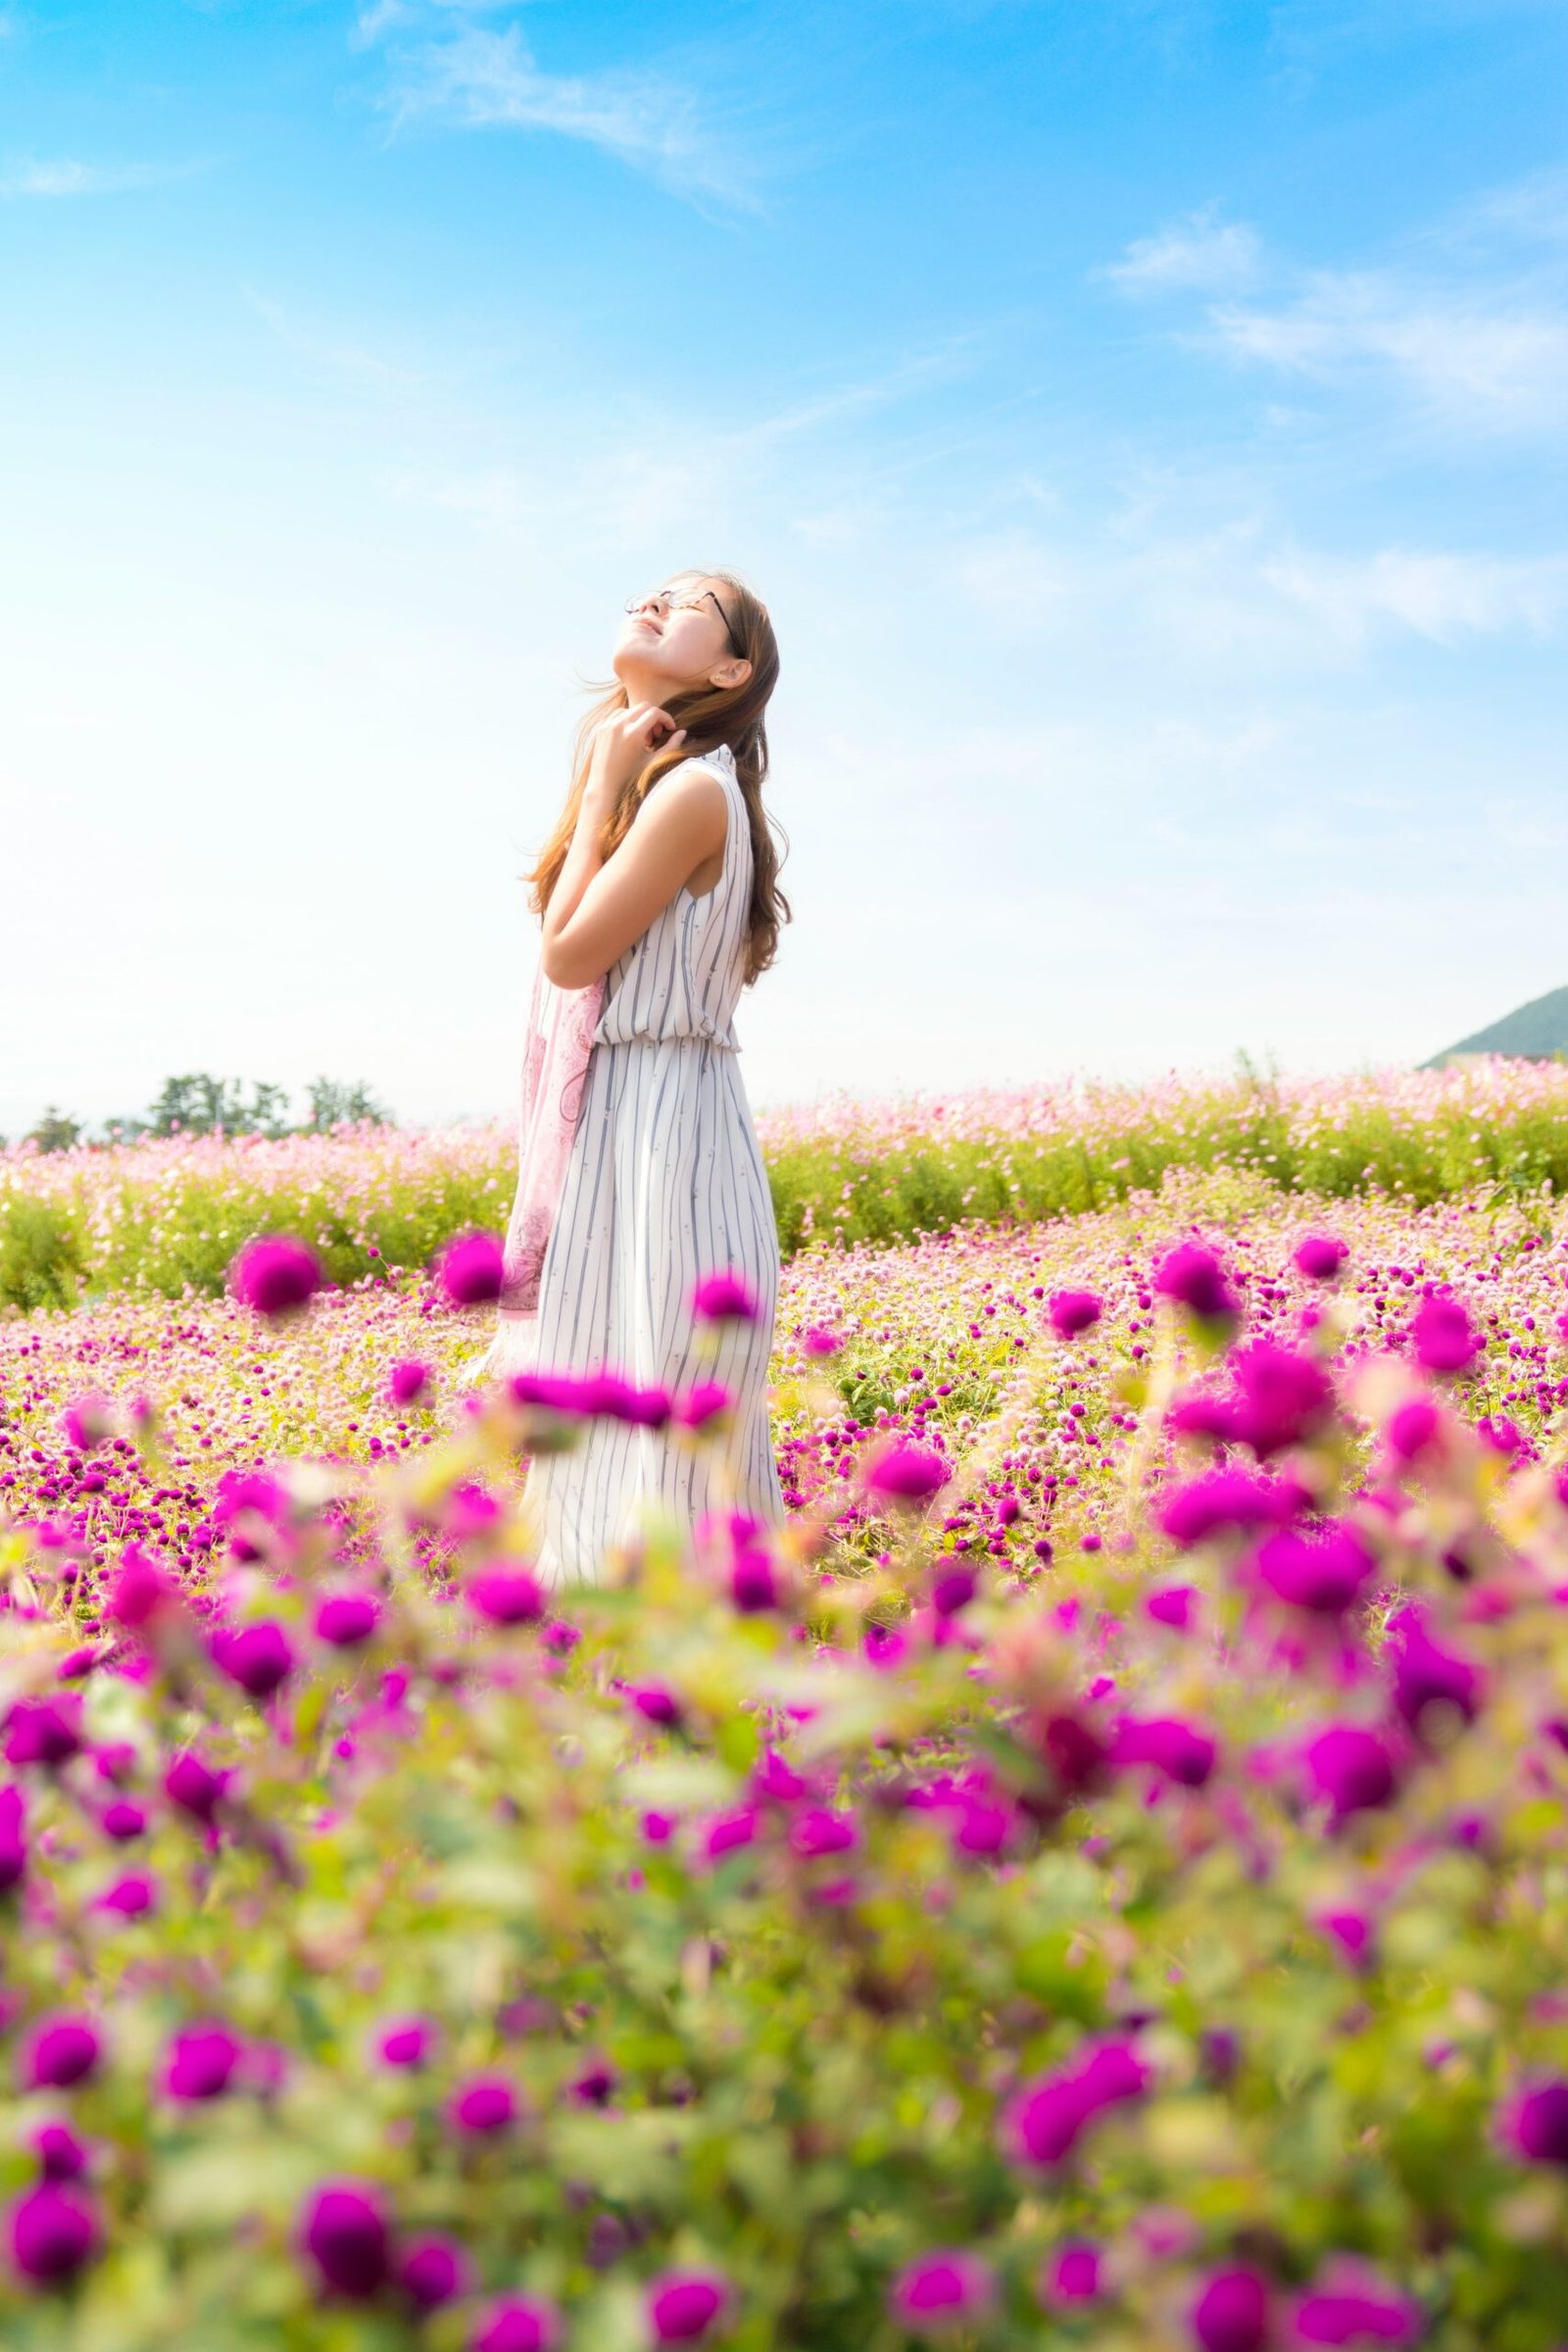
{"x": 132, "y": 1896}
{"x": 1442, "y": 1336}
{"x": 909, "y": 1474}
{"x": 405, "y": 2042}
{"x": 1414, "y": 1429}
{"x": 520, "y": 2324}
{"x": 483, "y": 2107}
{"x": 725, "y": 1297}
{"x": 703, "y": 1401}
{"x": 64, "y": 2050}
{"x": 62, "y": 2156}
{"x": 471, "y": 1269}
{"x": 1194, "y": 1277}
{"x": 1350, "y": 2303}
{"x": 1535, "y": 2122}
{"x": 1232, "y": 2313}
{"x": 1323, "y": 1569}
{"x": 1320, "y": 1255}
{"x": 685, "y": 2307}
{"x": 408, "y": 1382}
{"x": 276, "y": 1276}
{"x": 200, "y": 2062}
{"x": 1045, "y": 2120}
{"x": 190, "y": 1785}
{"x": 1179, "y": 1749}
{"x": 89, "y": 1422}
{"x": 506, "y": 1595}
{"x": 1074, "y": 1311}
{"x": 433, "y": 2270}
{"x": 345, "y": 2230}
{"x": 1283, "y": 1397}
{"x": 43, "y": 1730}
{"x": 1223, "y": 1500}
{"x": 258, "y": 1657}
{"x": 1352, "y": 1768}
{"x": 945, "y": 2289}
{"x": 1069, "y": 2277}
{"x": 1427, "y": 1677}
{"x": 345, "y": 1620}
{"x": 817, "y": 1830}
{"x": 52, "y": 2231}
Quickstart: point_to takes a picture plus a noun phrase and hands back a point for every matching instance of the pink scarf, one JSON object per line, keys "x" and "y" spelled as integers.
{"x": 558, "y": 1039}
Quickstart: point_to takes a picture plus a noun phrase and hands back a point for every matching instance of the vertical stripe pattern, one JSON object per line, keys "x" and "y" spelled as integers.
{"x": 665, "y": 1184}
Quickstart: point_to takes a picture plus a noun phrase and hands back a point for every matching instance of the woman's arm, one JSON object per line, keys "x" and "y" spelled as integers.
{"x": 599, "y": 907}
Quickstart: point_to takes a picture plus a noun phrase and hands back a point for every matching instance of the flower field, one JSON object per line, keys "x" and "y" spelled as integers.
{"x": 168, "y": 1216}
{"x": 1095, "y": 1878}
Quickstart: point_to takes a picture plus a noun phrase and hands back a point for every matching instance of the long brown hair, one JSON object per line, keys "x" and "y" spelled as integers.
{"x": 710, "y": 715}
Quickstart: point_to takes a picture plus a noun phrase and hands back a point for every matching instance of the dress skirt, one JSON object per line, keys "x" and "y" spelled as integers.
{"x": 665, "y": 1184}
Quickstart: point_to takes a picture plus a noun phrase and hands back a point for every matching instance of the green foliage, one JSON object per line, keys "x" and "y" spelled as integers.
{"x": 42, "y": 1253}
{"x": 810, "y": 2056}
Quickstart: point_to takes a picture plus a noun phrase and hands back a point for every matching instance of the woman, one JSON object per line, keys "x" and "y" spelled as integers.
{"x": 641, "y": 1171}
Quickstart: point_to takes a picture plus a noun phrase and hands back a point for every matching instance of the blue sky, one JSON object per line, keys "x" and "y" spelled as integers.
{"x": 1145, "y": 423}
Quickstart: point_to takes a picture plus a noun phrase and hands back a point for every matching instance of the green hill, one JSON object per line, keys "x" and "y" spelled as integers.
{"x": 1533, "y": 1033}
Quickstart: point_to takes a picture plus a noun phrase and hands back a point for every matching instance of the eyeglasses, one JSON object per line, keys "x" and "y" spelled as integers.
{"x": 666, "y": 604}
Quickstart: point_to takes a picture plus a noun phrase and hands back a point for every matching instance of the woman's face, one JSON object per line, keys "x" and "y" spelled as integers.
{"x": 677, "y": 639}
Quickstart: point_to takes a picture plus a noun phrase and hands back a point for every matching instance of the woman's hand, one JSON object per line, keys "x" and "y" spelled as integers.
{"x": 622, "y": 747}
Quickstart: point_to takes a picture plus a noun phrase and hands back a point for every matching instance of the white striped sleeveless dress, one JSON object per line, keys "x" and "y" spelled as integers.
{"x": 665, "y": 1184}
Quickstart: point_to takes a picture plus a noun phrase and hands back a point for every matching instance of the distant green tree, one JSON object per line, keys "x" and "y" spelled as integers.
{"x": 55, "y": 1132}
{"x": 332, "y": 1099}
{"x": 197, "y": 1103}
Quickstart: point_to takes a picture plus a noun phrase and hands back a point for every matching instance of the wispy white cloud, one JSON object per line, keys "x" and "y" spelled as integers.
{"x": 1466, "y": 325}
{"x": 329, "y": 352}
{"x": 649, "y": 119}
{"x": 1497, "y": 364}
{"x": 1437, "y": 595}
{"x": 65, "y": 177}
{"x": 1197, "y": 255}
